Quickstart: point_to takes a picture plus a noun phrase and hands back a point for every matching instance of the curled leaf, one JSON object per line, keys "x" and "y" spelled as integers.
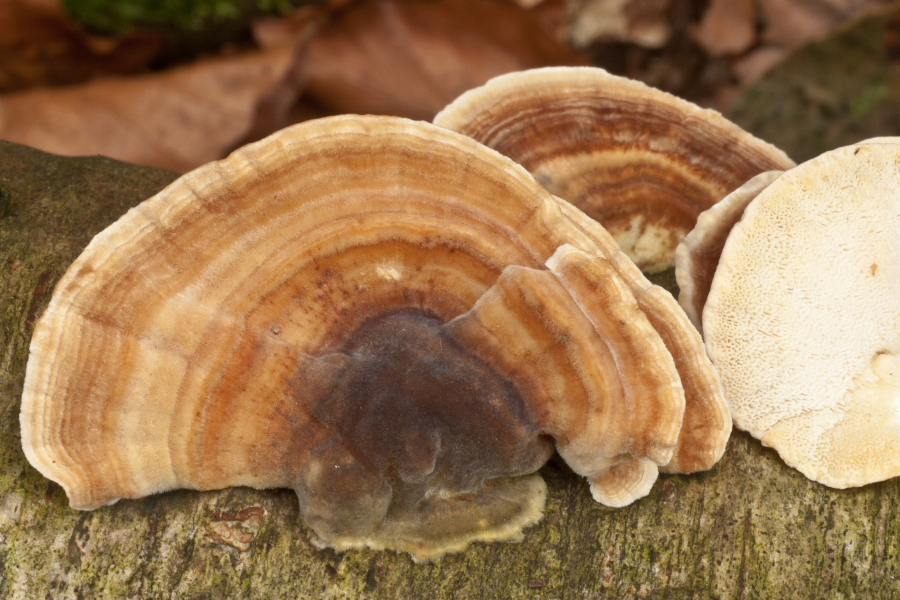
{"x": 175, "y": 120}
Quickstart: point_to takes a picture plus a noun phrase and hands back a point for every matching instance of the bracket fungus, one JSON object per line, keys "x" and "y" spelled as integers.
{"x": 391, "y": 319}
{"x": 707, "y": 422}
{"x": 638, "y": 160}
{"x": 811, "y": 366}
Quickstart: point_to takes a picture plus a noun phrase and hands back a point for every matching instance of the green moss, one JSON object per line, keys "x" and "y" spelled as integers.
{"x": 116, "y": 16}
{"x": 829, "y": 93}
{"x": 872, "y": 95}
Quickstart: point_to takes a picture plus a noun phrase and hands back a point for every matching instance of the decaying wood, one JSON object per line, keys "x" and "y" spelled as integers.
{"x": 750, "y": 528}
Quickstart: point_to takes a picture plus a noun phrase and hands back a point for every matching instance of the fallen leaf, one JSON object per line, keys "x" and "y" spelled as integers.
{"x": 728, "y": 27}
{"x": 175, "y": 120}
{"x": 790, "y": 23}
{"x": 293, "y": 29}
{"x": 552, "y": 16}
{"x": 41, "y": 45}
{"x": 641, "y": 22}
{"x": 411, "y": 58}
{"x": 752, "y": 66}
{"x": 529, "y": 4}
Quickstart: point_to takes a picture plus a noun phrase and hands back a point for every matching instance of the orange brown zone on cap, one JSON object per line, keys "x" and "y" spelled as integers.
{"x": 707, "y": 423}
{"x": 704, "y": 262}
{"x": 663, "y": 146}
{"x": 637, "y": 199}
{"x": 529, "y": 326}
{"x": 651, "y": 384}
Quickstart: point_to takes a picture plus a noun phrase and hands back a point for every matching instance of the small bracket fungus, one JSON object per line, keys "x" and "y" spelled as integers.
{"x": 803, "y": 320}
{"x": 391, "y": 319}
{"x": 642, "y": 162}
{"x": 707, "y": 422}
{"x": 697, "y": 255}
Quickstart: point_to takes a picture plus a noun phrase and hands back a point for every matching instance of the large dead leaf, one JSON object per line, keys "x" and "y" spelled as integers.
{"x": 176, "y": 120}
{"x": 41, "y": 45}
{"x": 411, "y": 58}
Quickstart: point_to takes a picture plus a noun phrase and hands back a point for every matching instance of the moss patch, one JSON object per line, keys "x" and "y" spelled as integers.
{"x": 829, "y": 93}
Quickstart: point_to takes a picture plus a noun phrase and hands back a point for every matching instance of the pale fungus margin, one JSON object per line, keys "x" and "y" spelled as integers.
{"x": 357, "y": 308}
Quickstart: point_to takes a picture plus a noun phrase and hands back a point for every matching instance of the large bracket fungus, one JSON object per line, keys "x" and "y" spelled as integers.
{"x": 391, "y": 319}
{"x": 811, "y": 365}
{"x": 638, "y": 160}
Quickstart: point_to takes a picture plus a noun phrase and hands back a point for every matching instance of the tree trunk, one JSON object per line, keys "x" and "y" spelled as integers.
{"x": 750, "y": 528}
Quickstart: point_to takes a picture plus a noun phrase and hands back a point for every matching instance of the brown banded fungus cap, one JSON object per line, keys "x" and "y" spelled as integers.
{"x": 357, "y": 308}
{"x": 697, "y": 255}
{"x": 642, "y": 162}
{"x": 707, "y": 422}
{"x": 803, "y": 319}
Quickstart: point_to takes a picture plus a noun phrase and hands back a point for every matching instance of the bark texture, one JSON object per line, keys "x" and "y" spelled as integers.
{"x": 830, "y": 92}
{"x": 750, "y": 528}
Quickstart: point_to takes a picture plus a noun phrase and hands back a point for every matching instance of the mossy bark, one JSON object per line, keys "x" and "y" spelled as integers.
{"x": 750, "y": 528}
{"x": 831, "y": 92}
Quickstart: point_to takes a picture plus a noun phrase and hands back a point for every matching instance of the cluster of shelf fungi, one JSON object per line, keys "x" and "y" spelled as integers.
{"x": 403, "y": 321}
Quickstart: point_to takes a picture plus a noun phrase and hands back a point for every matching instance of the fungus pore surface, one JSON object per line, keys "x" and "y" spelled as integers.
{"x": 697, "y": 255}
{"x": 802, "y": 319}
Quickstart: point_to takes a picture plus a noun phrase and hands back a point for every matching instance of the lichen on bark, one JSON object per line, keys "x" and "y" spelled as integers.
{"x": 749, "y": 528}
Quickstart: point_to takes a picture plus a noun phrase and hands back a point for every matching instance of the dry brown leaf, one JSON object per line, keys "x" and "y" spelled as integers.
{"x": 529, "y": 4}
{"x": 728, "y": 27}
{"x": 553, "y": 17}
{"x": 790, "y": 23}
{"x": 176, "y": 120}
{"x": 293, "y": 29}
{"x": 641, "y": 22}
{"x": 41, "y": 45}
{"x": 411, "y": 58}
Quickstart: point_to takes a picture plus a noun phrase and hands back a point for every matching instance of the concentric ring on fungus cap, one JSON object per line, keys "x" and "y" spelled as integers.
{"x": 357, "y": 308}
{"x": 803, "y": 320}
{"x": 638, "y": 160}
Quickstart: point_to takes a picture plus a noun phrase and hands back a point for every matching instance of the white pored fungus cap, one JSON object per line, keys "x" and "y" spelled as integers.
{"x": 803, "y": 317}
{"x": 697, "y": 255}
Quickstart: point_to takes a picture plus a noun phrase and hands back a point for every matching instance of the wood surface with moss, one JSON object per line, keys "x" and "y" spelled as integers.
{"x": 749, "y": 528}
